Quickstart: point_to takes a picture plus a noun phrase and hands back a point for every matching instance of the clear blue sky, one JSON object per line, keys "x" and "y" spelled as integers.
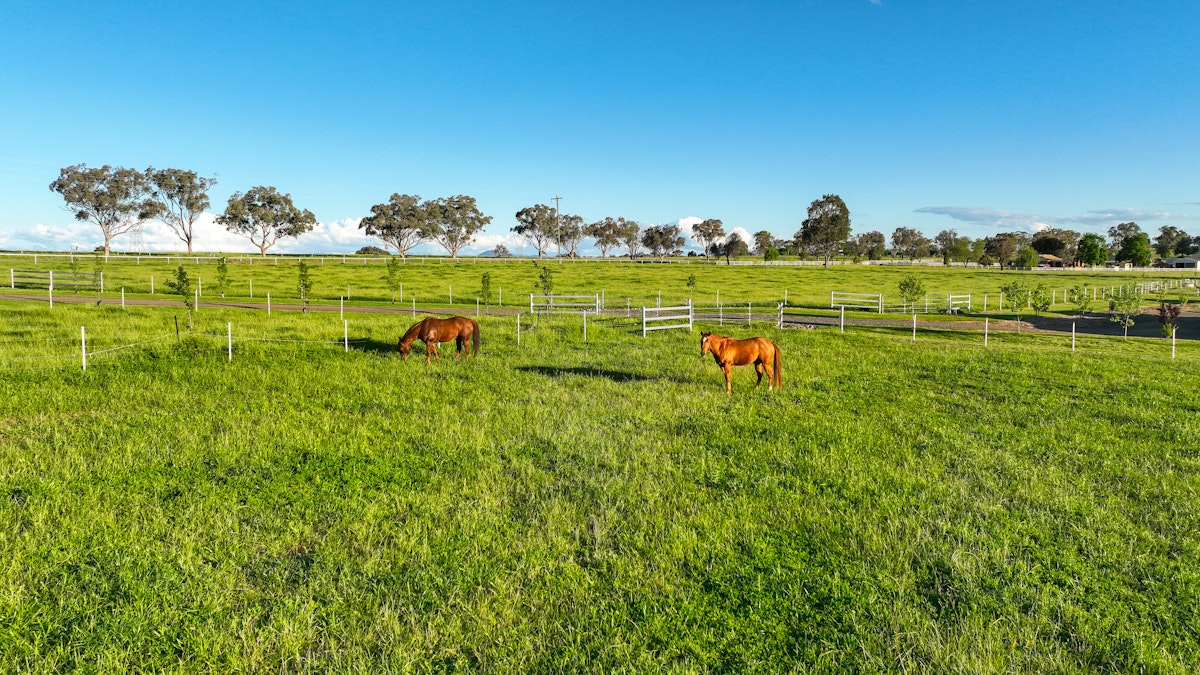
{"x": 978, "y": 116}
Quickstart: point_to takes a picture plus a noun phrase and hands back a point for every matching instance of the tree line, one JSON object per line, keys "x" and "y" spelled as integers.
{"x": 119, "y": 200}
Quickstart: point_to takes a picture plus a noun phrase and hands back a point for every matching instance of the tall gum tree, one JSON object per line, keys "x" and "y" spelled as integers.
{"x": 400, "y": 223}
{"x": 453, "y": 222}
{"x": 827, "y": 227}
{"x": 264, "y": 216}
{"x": 182, "y": 196}
{"x": 118, "y": 200}
{"x": 536, "y": 225}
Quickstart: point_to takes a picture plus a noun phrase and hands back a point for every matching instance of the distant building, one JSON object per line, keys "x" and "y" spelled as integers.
{"x": 1047, "y": 260}
{"x": 1187, "y": 263}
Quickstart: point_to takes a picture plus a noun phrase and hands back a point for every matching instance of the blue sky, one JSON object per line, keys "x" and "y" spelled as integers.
{"x": 977, "y": 116}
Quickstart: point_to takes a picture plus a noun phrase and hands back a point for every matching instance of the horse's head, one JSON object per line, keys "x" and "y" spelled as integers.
{"x": 704, "y": 345}
{"x": 404, "y": 347}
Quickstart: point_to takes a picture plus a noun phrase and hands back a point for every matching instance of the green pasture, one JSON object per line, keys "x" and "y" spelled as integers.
{"x": 434, "y": 282}
{"x": 589, "y": 507}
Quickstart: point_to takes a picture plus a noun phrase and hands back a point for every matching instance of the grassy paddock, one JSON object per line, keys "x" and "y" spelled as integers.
{"x": 590, "y": 506}
{"x": 432, "y": 282}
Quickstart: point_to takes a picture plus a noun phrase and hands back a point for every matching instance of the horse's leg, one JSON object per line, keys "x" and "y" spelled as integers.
{"x": 428, "y": 352}
{"x": 436, "y": 357}
{"x": 728, "y": 386}
{"x": 758, "y": 368}
{"x": 458, "y": 347}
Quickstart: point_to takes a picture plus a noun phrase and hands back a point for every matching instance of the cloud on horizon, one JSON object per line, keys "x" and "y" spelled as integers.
{"x": 1009, "y": 220}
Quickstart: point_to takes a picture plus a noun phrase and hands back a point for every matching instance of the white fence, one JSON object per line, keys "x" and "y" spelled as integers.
{"x": 869, "y": 301}
{"x": 680, "y": 316}
{"x": 564, "y": 303}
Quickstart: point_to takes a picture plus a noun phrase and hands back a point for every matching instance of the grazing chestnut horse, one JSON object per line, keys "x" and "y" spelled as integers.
{"x": 433, "y": 330}
{"x": 729, "y": 352}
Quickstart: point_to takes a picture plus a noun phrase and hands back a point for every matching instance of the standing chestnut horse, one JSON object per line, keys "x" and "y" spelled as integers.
{"x": 729, "y": 352}
{"x": 433, "y": 330}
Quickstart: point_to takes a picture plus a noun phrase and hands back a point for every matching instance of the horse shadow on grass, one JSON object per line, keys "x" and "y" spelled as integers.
{"x": 586, "y": 371}
{"x": 379, "y": 347}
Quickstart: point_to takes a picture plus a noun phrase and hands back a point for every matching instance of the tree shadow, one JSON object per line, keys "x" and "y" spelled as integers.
{"x": 586, "y": 371}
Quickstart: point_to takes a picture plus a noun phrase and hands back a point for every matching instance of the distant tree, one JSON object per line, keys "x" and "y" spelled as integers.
{"x": 1092, "y": 250}
{"x": 264, "y": 216}
{"x": 400, "y": 222}
{"x": 1125, "y": 305}
{"x": 827, "y": 226}
{"x": 1171, "y": 240}
{"x": 945, "y": 241}
{"x": 707, "y": 232}
{"x": 960, "y": 250}
{"x": 1080, "y": 297}
{"x": 909, "y": 243}
{"x": 485, "y": 288}
{"x": 771, "y": 254}
{"x": 1001, "y": 248}
{"x": 545, "y": 279}
{"x": 1039, "y": 299}
{"x": 631, "y": 237}
{"x": 537, "y": 225}
{"x": 501, "y": 251}
{"x": 1048, "y": 244}
{"x": 1136, "y": 249}
{"x": 1026, "y": 257}
{"x": 116, "y": 199}
{"x": 371, "y": 250}
{"x": 870, "y": 245}
{"x": 453, "y": 222}
{"x": 182, "y": 196}
{"x": 911, "y": 289}
{"x": 606, "y": 233}
{"x": 976, "y": 249}
{"x": 568, "y": 233}
{"x": 181, "y": 285}
{"x": 1119, "y": 233}
{"x": 763, "y": 241}
{"x": 986, "y": 260}
{"x": 663, "y": 240}
{"x": 734, "y": 246}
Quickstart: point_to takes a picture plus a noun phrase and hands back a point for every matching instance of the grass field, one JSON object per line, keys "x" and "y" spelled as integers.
{"x": 594, "y": 507}
{"x": 432, "y": 281}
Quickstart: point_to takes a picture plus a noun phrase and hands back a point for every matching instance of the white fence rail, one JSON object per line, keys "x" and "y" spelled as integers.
{"x": 564, "y": 303}
{"x": 868, "y": 301}
{"x": 680, "y": 316}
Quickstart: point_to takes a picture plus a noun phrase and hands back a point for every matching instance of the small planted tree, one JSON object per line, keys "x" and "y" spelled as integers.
{"x": 1039, "y": 299}
{"x": 1168, "y": 315}
{"x": 911, "y": 287}
{"x": 545, "y": 280}
{"x": 393, "y": 277}
{"x": 74, "y": 266}
{"x": 222, "y": 274}
{"x": 1017, "y": 294}
{"x": 98, "y": 275}
{"x": 485, "y": 288}
{"x": 1125, "y": 305}
{"x": 1080, "y": 298}
{"x": 304, "y": 284}
{"x": 691, "y": 284}
{"x": 181, "y": 285}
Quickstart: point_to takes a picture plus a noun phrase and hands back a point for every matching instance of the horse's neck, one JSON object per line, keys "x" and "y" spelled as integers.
{"x": 413, "y": 332}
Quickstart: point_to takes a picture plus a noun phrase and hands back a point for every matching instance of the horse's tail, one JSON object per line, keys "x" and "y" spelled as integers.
{"x": 778, "y": 368}
{"x": 475, "y": 337}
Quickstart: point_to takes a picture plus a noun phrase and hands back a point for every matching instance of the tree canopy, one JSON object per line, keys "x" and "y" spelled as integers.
{"x": 607, "y": 233}
{"x": 663, "y": 240}
{"x": 537, "y": 225}
{"x": 453, "y": 222}
{"x": 264, "y": 216}
{"x": 568, "y": 233}
{"x": 116, "y": 199}
{"x": 1092, "y": 250}
{"x": 1136, "y": 249}
{"x": 707, "y": 232}
{"x": 827, "y": 226}
{"x": 909, "y": 243}
{"x": 181, "y": 196}
{"x": 400, "y": 222}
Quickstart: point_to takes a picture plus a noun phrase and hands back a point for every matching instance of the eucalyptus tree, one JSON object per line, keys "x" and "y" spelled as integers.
{"x": 116, "y": 199}
{"x": 663, "y": 240}
{"x": 1092, "y": 250}
{"x": 827, "y": 226}
{"x": 453, "y": 222}
{"x": 606, "y": 233}
{"x": 401, "y": 222}
{"x": 631, "y": 237}
{"x": 708, "y": 232}
{"x": 870, "y": 245}
{"x": 536, "y": 224}
{"x": 182, "y": 197}
{"x": 568, "y": 233}
{"x": 264, "y": 216}
{"x": 909, "y": 243}
{"x": 763, "y": 241}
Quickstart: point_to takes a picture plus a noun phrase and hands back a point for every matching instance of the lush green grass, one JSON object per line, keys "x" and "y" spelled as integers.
{"x": 432, "y": 280}
{"x": 590, "y": 507}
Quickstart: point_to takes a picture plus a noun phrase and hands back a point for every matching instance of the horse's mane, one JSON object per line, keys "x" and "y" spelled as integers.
{"x": 411, "y": 334}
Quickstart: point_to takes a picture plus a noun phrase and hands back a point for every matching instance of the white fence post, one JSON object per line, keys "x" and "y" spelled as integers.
{"x": 12, "y": 278}
{"x": 518, "y": 329}
{"x": 584, "y": 313}
{"x": 252, "y": 288}
{"x": 229, "y": 338}
{"x": 268, "y": 303}
{"x": 749, "y": 319}
{"x": 346, "y": 335}
{"x": 414, "y": 305}
{"x": 342, "y": 308}
{"x": 83, "y": 344}
{"x": 842, "y": 321}
{"x": 1173, "y": 329}
{"x": 643, "y": 321}
{"x": 1072, "y": 336}
{"x": 122, "y": 297}
{"x": 985, "y": 331}
{"x": 196, "y": 301}
{"x": 914, "y": 339}
{"x": 151, "y": 284}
